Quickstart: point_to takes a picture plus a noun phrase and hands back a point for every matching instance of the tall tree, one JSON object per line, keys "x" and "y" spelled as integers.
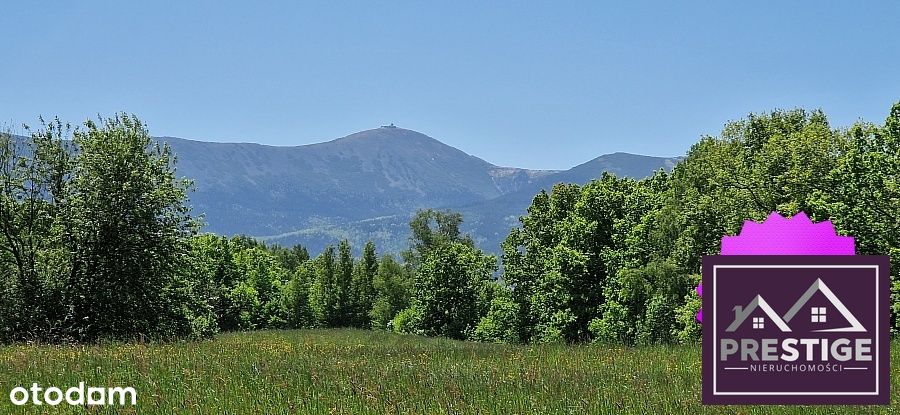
{"x": 393, "y": 289}
{"x": 344, "y": 286}
{"x": 363, "y": 286}
{"x": 34, "y": 235}
{"x": 131, "y": 226}
{"x": 447, "y": 290}
{"x": 323, "y": 293}
{"x": 300, "y": 309}
{"x": 432, "y": 229}
{"x": 292, "y": 258}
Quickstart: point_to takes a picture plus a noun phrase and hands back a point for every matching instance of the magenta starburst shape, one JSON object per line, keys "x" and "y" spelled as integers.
{"x": 778, "y": 235}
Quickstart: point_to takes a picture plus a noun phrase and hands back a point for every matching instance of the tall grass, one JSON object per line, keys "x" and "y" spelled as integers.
{"x": 361, "y": 372}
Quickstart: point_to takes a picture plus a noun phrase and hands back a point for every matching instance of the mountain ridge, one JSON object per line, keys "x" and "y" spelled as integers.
{"x": 423, "y": 172}
{"x": 366, "y": 186}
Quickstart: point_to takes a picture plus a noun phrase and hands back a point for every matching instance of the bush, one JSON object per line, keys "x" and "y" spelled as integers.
{"x": 687, "y": 329}
{"x": 613, "y": 326}
{"x": 501, "y": 324}
{"x": 244, "y": 308}
{"x": 407, "y": 321}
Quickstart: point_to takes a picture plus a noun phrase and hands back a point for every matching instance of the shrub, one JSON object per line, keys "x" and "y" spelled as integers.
{"x": 407, "y": 321}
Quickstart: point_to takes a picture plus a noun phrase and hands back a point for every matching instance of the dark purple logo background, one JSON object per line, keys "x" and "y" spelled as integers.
{"x": 796, "y": 329}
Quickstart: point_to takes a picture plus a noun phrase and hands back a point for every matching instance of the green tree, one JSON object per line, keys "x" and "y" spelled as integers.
{"x": 642, "y": 305}
{"x": 393, "y": 287}
{"x": 298, "y": 296}
{"x": 130, "y": 227}
{"x": 260, "y": 269}
{"x": 344, "y": 286}
{"x": 363, "y": 286}
{"x": 687, "y": 328}
{"x": 215, "y": 269}
{"x": 500, "y": 323}
{"x": 447, "y": 289}
{"x": 290, "y": 259}
{"x": 323, "y": 293}
{"x": 865, "y": 195}
{"x": 432, "y": 229}
{"x": 571, "y": 241}
{"x": 34, "y": 233}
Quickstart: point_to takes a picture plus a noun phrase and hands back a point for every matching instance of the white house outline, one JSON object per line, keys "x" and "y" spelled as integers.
{"x": 819, "y": 285}
{"x": 744, "y": 312}
{"x": 741, "y": 313}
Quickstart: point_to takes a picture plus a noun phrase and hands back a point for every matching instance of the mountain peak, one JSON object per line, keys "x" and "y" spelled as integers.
{"x": 364, "y": 186}
{"x": 395, "y": 139}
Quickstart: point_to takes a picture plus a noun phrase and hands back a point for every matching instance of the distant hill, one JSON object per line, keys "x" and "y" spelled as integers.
{"x": 366, "y": 186}
{"x": 491, "y": 220}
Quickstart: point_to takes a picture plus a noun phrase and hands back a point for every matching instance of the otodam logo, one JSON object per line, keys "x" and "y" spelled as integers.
{"x": 807, "y": 329}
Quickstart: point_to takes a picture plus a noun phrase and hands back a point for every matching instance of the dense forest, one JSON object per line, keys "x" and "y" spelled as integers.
{"x": 97, "y": 242}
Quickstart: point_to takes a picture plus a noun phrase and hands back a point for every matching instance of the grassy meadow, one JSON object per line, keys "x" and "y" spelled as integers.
{"x": 363, "y": 372}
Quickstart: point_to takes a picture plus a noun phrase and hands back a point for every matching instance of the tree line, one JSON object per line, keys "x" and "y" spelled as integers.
{"x": 97, "y": 242}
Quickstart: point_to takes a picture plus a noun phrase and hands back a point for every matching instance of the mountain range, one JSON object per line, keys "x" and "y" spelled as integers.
{"x": 367, "y": 186}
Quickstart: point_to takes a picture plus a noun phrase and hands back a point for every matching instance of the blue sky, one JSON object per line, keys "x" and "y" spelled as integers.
{"x": 546, "y": 85}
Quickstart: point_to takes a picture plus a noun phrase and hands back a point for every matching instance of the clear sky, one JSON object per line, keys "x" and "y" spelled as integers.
{"x": 546, "y": 85}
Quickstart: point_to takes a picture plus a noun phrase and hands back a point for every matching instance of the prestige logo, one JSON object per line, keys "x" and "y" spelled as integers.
{"x": 795, "y": 329}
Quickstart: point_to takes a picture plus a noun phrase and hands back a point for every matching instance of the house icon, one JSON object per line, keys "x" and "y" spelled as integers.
{"x": 741, "y": 314}
{"x": 818, "y": 314}
{"x": 819, "y": 285}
